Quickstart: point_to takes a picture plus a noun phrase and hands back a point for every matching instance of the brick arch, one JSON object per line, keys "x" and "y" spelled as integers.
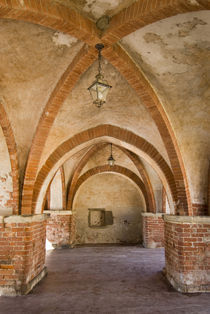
{"x": 118, "y": 57}
{"x": 114, "y": 169}
{"x": 54, "y": 16}
{"x": 48, "y": 195}
{"x": 98, "y": 132}
{"x": 78, "y": 170}
{"x": 63, "y": 186}
{"x": 131, "y": 156}
{"x": 85, "y": 57}
{"x": 12, "y": 150}
{"x": 124, "y": 64}
{"x": 139, "y": 165}
{"x": 144, "y": 12}
{"x": 42, "y": 12}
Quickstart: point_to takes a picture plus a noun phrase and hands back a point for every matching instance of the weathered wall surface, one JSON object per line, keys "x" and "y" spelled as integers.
{"x": 6, "y": 185}
{"x": 113, "y": 193}
{"x": 174, "y": 54}
{"x": 32, "y": 60}
{"x": 58, "y": 227}
{"x": 153, "y": 230}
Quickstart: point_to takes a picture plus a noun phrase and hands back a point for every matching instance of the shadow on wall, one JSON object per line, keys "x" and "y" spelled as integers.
{"x": 108, "y": 209}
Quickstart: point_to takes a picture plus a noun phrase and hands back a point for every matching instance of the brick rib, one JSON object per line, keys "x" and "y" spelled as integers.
{"x": 144, "y": 12}
{"x": 124, "y": 64}
{"x": 116, "y": 169}
{"x": 131, "y": 156}
{"x": 12, "y": 150}
{"x": 100, "y": 131}
{"x": 81, "y": 62}
{"x": 55, "y": 16}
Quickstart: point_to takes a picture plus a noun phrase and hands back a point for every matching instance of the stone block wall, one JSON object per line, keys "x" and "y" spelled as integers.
{"x": 22, "y": 253}
{"x": 187, "y": 251}
{"x": 153, "y": 230}
{"x": 58, "y": 227}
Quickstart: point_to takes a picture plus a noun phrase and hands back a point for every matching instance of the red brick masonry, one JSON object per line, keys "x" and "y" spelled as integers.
{"x": 22, "y": 253}
{"x": 187, "y": 250}
{"x": 58, "y": 227}
{"x": 153, "y": 230}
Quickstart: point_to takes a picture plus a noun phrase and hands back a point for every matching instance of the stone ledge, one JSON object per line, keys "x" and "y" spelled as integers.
{"x": 187, "y": 219}
{"x": 58, "y": 212}
{"x": 22, "y": 219}
{"x": 152, "y": 214}
{"x": 187, "y": 288}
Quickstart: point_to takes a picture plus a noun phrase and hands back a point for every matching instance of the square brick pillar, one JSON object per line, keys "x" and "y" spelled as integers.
{"x": 22, "y": 253}
{"x": 153, "y": 230}
{"x": 187, "y": 251}
{"x": 58, "y": 227}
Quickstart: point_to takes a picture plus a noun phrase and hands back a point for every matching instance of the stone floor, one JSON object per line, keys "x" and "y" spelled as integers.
{"x": 113, "y": 279}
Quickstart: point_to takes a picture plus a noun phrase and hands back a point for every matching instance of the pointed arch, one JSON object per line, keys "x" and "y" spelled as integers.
{"x": 98, "y": 132}
{"x": 80, "y": 63}
{"x": 114, "y": 169}
{"x": 131, "y": 156}
{"x": 118, "y": 57}
{"x": 54, "y": 16}
{"x": 144, "y": 12}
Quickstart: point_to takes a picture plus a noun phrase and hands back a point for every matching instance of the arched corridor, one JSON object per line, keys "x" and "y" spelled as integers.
{"x": 104, "y": 140}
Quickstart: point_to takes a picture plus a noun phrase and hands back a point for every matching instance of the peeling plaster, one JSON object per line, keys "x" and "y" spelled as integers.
{"x": 174, "y": 54}
{"x": 94, "y": 9}
{"x": 61, "y": 39}
{"x": 6, "y": 189}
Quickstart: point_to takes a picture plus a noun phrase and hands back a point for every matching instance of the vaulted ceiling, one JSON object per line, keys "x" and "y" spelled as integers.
{"x": 156, "y": 58}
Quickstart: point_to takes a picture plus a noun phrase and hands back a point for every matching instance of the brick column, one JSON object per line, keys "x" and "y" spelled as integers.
{"x": 187, "y": 250}
{"x": 58, "y": 227}
{"x": 153, "y": 230}
{"x": 22, "y": 253}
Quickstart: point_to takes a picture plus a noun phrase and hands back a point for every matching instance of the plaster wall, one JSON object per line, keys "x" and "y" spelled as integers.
{"x": 56, "y": 192}
{"x": 156, "y": 185}
{"x": 6, "y": 185}
{"x": 113, "y": 193}
{"x": 174, "y": 55}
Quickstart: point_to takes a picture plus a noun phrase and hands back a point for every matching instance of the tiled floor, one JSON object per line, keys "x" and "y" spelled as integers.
{"x": 109, "y": 279}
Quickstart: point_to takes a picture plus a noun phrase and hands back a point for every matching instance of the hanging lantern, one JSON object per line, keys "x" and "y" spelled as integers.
{"x": 100, "y": 87}
{"x": 111, "y": 159}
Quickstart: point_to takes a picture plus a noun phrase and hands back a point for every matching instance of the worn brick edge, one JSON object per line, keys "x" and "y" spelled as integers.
{"x": 12, "y": 150}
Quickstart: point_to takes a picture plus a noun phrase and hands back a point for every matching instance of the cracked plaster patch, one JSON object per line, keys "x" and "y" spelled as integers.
{"x": 61, "y": 39}
{"x": 5, "y": 188}
{"x": 95, "y": 9}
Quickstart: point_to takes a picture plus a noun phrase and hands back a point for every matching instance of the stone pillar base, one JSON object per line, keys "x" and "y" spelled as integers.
{"x": 22, "y": 253}
{"x": 153, "y": 230}
{"x": 11, "y": 291}
{"x": 187, "y": 250}
{"x": 58, "y": 227}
